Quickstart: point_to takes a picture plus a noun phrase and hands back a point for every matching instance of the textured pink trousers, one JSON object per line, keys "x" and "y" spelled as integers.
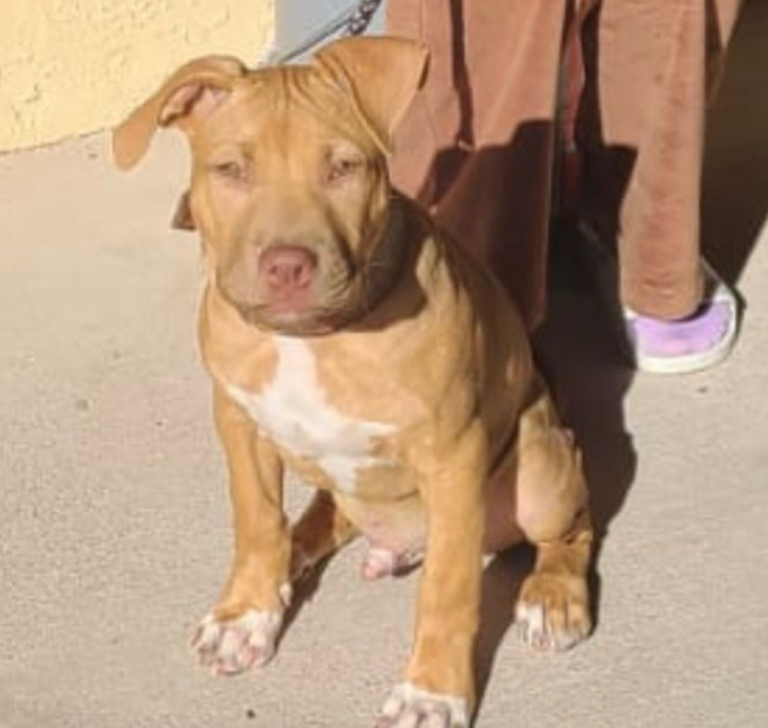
{"x": 478, "y": 145}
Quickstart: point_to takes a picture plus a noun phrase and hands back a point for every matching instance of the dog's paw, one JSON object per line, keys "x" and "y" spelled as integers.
{"x": 228, "y": 647}
{"x": 411, "y": 707}
{"x": 553, "y": 612}
{"x": 381, "y": 562}
{"x": 378, "y": 563}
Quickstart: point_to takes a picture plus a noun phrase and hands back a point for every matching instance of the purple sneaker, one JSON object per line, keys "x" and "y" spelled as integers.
{"x": 691, "y": 344}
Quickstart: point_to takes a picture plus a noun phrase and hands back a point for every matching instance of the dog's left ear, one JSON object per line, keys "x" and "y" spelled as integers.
{"x": 381, "y": 74}
{"x": 188, "y": 95}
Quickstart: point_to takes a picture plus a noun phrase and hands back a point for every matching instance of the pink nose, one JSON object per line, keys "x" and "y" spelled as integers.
{"x": 287, "y": 267}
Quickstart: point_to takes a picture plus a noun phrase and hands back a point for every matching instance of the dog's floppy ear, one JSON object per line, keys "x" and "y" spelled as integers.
{"x": 381, "y": 74}
{"x": 194, "y": 90}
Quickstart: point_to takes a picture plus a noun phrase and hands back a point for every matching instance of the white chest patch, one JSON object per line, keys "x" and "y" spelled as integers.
{"x": 294, "y": 413}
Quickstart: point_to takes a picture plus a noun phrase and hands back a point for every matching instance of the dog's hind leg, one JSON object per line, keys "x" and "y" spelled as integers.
{"x": 553, "y": 610}
{"x": 319, "y": 532}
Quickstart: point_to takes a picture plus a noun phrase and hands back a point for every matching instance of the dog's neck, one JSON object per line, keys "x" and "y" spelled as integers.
{"x": 394, "y": 291}
{"x": 384, "y": 268}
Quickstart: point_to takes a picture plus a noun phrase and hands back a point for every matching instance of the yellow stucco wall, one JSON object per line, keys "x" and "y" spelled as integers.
{"x": 74, "y": 66}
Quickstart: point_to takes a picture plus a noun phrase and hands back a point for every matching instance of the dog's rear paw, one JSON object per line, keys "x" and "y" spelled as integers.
{"x": 378, "y": 564}
{"x": 228, "y": 647}
{"x": 410, "y": 707}
{"x": 553, "y": 611}
{"x": 382, "y": 562}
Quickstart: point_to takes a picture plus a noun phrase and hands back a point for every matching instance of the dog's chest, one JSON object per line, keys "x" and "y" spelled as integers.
{"x": 294, "y": 412}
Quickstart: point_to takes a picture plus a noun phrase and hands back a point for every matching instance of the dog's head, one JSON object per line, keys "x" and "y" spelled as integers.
{"x": 289, "y": 184}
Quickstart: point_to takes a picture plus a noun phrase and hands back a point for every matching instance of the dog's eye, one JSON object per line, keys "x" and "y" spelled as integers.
{"x": 231, "y": 170}
{"x": 340, "y": 169}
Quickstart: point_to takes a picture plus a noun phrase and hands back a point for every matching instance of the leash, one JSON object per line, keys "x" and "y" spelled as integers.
{"x": 352, "y": 21}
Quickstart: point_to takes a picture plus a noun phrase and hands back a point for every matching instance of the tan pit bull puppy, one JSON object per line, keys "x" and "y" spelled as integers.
{"x": 352, "y": 342}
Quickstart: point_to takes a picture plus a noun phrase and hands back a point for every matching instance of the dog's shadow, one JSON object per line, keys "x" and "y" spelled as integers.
{"x": 304, "y": 591}
{"x": 502, "y": 579}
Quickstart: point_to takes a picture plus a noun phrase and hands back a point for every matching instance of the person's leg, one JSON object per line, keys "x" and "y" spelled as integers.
{"x": 649, "y": 66}
{"x": 477, "y": 148}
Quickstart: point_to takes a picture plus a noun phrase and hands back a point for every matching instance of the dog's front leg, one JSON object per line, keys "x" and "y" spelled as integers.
{"x": 242, "y": 628}
{"x": 438, "y": 690}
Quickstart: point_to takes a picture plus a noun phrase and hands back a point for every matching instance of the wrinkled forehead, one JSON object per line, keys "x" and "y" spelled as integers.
{"x": 287, "y": 110}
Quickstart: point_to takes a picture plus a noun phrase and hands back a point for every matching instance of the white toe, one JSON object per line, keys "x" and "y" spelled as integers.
{"x": 379, "y": 562}
{"x": 411, "y": 707}
{"x": 231, "y": 646}
{"x": 530, "y": 621}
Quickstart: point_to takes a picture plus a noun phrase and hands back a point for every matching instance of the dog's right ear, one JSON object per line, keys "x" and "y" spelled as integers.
{"x": 381, "y": 74}
{"x": 192, "y": 92}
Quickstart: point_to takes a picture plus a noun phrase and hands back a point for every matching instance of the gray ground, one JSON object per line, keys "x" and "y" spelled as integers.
{"x": 114, "y": 533}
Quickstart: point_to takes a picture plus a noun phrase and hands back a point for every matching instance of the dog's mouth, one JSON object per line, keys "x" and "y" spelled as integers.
{"x": 309, "y": 320}
{"x": 310, "y": 310}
